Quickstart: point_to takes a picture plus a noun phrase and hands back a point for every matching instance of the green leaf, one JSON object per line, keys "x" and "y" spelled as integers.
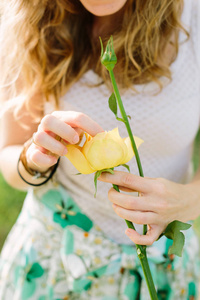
{"x": 173, "y": 232}
{"x": 112, "y": 101}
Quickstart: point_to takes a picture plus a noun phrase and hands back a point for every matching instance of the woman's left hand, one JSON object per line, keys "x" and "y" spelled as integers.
{"x": 161, "y": 202}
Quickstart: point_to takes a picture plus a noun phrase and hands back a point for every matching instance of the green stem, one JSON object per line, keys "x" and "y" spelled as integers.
{"x": 128, "y": 127}
{"x": 125, "y": 118}
{"x": 129, "y": 223}
{"x": 141, "y": 250}
{"x": 147, "y": 273}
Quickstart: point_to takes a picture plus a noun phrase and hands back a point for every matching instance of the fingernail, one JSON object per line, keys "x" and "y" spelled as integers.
{"x": 75, "y": 139}
{"x": 128, "y": 232}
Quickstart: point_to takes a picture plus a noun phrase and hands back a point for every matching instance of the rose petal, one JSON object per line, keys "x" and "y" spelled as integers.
{"x": 130, "y": 152}
{"x": 114, "y": 135}
{"x": 105, "y": 154}
{"x": 79, "y": 161}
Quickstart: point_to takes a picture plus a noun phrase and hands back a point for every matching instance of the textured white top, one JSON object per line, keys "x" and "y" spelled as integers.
{"x": 167, "y": 122}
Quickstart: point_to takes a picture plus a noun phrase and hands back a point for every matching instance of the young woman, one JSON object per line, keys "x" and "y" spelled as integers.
{"x": 66, "y": 244}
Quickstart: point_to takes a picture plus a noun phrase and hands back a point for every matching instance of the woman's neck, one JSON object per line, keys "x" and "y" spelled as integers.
{"x": 106, "y": 24}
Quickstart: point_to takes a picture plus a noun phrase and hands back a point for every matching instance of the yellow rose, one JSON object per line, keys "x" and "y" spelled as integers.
{"x": 105, "y": 150}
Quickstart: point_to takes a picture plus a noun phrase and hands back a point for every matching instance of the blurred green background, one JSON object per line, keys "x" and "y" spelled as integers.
{"x": 11, "y": 200}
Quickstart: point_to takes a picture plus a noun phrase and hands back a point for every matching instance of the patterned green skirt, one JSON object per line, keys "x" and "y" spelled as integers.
{"x": 56, "y": 252}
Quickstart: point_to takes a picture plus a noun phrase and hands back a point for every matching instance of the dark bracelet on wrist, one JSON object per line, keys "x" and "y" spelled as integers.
{"x": 39, "y": 175}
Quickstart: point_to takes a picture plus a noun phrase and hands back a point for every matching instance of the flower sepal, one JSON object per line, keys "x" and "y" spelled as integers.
{"x": 108, "y": 58}
{"x": 98, "y": 174}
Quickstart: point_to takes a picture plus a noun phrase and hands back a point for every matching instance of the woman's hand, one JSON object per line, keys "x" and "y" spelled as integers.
{"x": 161, "y": 202}
{"x": 54, "y": 131}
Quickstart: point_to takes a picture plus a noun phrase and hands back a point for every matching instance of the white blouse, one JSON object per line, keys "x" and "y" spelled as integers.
{"x": 167, "y": 122}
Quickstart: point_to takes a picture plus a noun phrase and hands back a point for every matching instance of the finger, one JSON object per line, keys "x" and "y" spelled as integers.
{"x": 60, "y": 128}
{"x": 127, "y": 190}
{"x": 46, "y": 141}
{"x": 40, "y": 159}
{"x": 130, "y": 181}
{"x": 134, "y": 216}
{"x": 129, "y": 201}
{"x": 80, "y": 120}
{"x": 152, "y": 235}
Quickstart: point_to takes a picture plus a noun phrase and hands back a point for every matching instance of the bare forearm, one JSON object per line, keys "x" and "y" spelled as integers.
{"x": 194, "y": 186}
{"x": 8, "y": 165}
{"x": 196, "y": 177}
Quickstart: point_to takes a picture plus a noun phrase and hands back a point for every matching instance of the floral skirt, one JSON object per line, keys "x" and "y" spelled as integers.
{"x": 56, "y": 252}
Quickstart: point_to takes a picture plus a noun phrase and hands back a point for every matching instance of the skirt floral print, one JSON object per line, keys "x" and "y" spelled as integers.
{"x": 55, "y": 252}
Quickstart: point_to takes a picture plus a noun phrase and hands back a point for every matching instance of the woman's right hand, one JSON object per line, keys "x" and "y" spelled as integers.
{"x": 54, "y": 131}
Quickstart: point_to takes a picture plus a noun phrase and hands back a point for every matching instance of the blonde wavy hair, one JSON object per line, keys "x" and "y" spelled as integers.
{"x": 48, "y": 45}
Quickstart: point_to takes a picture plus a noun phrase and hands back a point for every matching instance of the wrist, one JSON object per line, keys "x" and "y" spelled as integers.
{"x": 193, "y": 189}
{"x": 38, "y": 178}
{"x": 31, "y": 168}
